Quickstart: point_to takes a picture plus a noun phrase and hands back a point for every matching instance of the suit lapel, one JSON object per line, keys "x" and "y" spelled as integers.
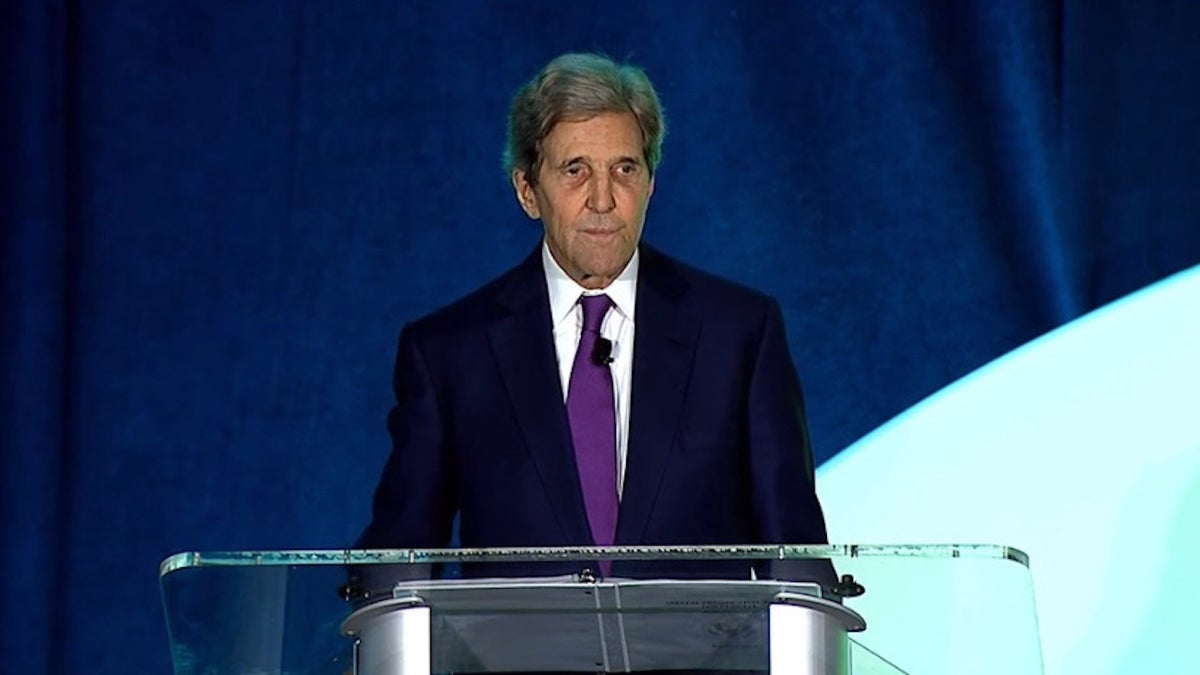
{"x": 663, "y": 351}
{"x": 522, "y": 342}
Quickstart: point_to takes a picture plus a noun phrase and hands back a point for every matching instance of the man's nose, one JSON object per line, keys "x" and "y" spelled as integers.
{"x": 600, "y": 194}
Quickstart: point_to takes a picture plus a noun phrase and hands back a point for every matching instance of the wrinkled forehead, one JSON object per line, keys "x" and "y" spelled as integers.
{"x": 603, "y": 137}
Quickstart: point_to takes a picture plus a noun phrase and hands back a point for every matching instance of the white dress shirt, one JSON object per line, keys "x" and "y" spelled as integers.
{"x": 566, "y": 315}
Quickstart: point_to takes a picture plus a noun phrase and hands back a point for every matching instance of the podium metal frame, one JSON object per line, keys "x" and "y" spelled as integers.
{"x": 937, "y": 609}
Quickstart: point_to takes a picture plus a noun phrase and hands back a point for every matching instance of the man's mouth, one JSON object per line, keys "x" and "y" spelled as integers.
{"x": 599, "y": 231}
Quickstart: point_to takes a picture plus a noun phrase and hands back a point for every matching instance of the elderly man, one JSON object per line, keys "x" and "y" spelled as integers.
{"x": 599, "y": 392}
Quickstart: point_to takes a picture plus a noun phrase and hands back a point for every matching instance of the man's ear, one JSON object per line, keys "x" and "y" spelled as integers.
{"x": 525, "y": 194}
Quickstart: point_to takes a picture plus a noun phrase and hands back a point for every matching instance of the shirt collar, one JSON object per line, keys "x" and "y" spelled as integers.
{"x": 565, "y": 291}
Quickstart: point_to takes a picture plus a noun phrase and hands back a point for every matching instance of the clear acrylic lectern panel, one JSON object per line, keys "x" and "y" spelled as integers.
{"x": 927, "y": 609}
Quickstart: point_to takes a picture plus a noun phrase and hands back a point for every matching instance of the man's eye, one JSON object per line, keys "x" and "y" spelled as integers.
{"x": 574, "y": 170}
{"x": 628, "y": 169}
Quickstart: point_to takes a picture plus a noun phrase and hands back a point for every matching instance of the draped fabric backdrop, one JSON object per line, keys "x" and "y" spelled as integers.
{"x": 217, "y": 215}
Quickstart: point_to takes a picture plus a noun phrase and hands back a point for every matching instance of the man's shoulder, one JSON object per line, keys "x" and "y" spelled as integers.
{"x": 517, "y": 284}
{"x": 707, "y": 288}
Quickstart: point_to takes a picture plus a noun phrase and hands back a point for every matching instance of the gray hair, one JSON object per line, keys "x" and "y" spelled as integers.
{"x": 579, "y": 87}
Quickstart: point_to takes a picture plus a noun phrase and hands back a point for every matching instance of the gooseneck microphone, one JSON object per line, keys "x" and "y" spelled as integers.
{"x": 602, "y": 352}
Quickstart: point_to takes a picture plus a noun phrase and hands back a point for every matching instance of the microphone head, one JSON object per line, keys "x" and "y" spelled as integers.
{"x": 602, "y": 352}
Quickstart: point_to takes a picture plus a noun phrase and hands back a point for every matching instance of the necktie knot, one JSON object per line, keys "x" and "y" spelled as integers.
{"x": 594, "y": 309}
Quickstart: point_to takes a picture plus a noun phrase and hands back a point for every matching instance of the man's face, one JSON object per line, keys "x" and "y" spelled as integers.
{"x": 591, "y": 195}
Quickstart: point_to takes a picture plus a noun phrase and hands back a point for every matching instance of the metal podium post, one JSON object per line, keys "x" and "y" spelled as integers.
{"x": 393, "y": 637}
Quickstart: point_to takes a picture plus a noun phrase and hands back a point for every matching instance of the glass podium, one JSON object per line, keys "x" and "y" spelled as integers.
{"x": 887, "y": 609}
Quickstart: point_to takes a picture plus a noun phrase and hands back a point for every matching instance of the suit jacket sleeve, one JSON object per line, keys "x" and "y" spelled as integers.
{"x": 781, "y": 465}
{"x": 413, "y": 505}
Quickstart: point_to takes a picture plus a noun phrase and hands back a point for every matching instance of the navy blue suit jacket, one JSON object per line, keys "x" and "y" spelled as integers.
{"x": 718, "y": 451}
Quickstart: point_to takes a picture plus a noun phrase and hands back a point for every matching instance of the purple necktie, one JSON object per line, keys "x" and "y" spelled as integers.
{"x": 593, "y": 421}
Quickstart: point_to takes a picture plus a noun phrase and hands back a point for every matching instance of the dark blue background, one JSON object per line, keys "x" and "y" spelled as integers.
{"x": 217, "y": 215}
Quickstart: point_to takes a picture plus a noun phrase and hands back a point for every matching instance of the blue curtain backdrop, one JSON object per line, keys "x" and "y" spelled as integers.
{"x": 217, "y": 215}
